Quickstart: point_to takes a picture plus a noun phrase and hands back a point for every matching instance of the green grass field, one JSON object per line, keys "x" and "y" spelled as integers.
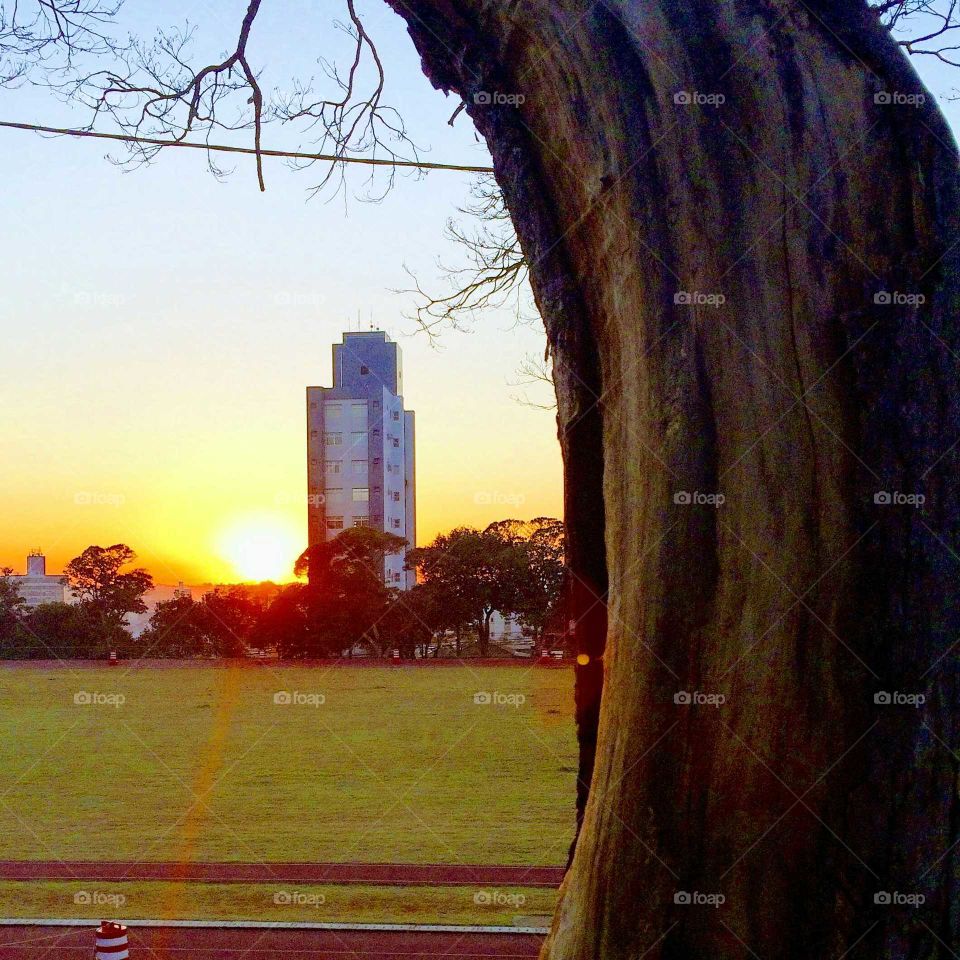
{"x": 272, "y": 902}
{"x": 199, "y": 763}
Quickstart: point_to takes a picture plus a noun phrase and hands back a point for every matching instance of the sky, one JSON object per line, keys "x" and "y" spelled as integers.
{"x": 159, "y": 326}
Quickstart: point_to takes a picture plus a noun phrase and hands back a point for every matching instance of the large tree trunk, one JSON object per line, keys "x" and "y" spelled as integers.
{"x": 790, "y": 388}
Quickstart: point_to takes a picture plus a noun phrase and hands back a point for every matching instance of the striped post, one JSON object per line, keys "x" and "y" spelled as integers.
{"x": 111, "y": 941}
{"x": 113, "y": 658}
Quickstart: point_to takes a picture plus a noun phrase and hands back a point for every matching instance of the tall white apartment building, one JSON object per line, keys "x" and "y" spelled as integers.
{"x": 37, "y": 586}
{"x": 361, "y": 468}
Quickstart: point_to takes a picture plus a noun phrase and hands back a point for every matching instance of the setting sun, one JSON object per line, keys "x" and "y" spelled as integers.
{"x": 261, "y": 547}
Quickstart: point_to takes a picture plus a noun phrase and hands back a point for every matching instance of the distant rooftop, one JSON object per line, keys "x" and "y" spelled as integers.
{"x": 381, "y": 334}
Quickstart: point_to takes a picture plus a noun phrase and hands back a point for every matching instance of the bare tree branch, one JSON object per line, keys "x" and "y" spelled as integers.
{"x": 931, "y": 25}
{"x": 535, "y": 372}
{"x": 495, "y": 273}
{"x": 52, "y": 34}
{"x": 355, "y": 121}
{"x": 153, "y": 90}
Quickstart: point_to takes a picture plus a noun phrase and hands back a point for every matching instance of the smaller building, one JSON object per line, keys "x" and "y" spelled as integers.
{"x": 37, "y": 586}
{"x": 181, "y": 592}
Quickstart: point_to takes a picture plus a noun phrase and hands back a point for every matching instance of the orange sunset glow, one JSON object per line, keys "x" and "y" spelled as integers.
{"x": 153, "y": 392}
{"x": 207, "y": 490}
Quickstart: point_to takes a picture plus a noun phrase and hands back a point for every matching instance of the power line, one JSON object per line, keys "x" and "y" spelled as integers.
{"x": 250, "y": 151}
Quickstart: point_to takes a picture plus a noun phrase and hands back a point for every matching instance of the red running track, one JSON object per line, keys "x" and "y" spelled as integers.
{"x": 378, "y": 874}
{"x": 180, "y": 943}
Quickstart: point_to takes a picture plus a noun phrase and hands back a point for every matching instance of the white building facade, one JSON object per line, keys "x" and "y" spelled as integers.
{"x": 361, "y": 465}
{"x": 37, "y": 586}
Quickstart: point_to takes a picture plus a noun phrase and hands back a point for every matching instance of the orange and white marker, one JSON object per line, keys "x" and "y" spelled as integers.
{"x": 113, "y": 658}
{"x": 111, "y": 941}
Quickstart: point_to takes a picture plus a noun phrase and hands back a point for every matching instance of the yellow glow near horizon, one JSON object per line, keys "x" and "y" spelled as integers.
{"x": 261, "y": 547}
{"x": 171, "y": 417}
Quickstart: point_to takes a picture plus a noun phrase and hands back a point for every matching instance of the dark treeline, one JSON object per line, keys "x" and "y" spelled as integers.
{"x": 341, "y": 606}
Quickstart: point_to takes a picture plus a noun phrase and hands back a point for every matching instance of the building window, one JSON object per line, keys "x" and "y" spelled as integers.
{"x": 364, "y": 369}
{"x": 396, "y": 415}
{"x": 361, "y": 494}
{"x": 376, "y": 404}
{"x": 396, "y": 524}
{"x": 359, "y": 436}
{"x": 396, "y": 496}
{"x": 359, "y": 466}
{"x": 396, "y": 577}
{"x": 396, "y": 441}
{"x": 334, "y": 523}
{"x": 334, "y": 409}
{"x": 361, "y": 521}
{"x": 333, "y": 466}
{"x": 334, "y": 493}
{"x": 359, "y": 409}
{"x": 333, "y": 439}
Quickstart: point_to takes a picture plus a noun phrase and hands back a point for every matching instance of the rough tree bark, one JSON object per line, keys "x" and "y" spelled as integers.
{"x": 787, "y": 211}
